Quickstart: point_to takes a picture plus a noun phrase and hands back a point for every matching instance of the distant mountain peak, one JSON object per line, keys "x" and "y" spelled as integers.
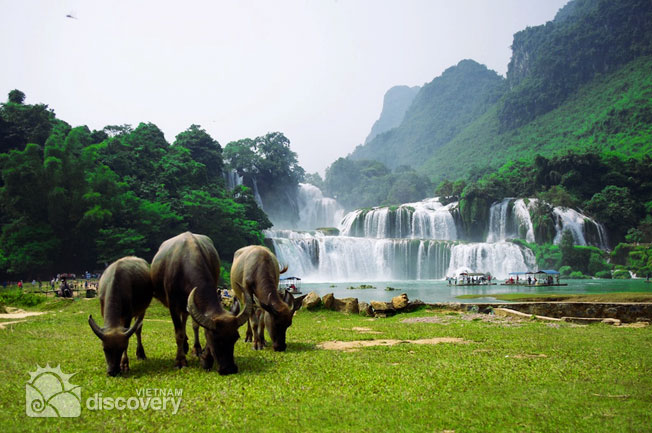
{"x": 396, "y": 102}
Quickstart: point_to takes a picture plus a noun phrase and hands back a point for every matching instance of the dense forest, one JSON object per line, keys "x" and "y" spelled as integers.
{"x": 75, "y": 199}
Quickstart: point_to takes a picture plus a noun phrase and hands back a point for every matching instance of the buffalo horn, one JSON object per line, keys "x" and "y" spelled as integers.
{"x": 96, "y": 329}
{"x": 134, "y": 328}
{"x": 197, "y": 315}
{"x": 246, "y": 311}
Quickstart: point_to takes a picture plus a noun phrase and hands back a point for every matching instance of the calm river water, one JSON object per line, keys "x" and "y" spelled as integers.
{"x": 440, "y": 291}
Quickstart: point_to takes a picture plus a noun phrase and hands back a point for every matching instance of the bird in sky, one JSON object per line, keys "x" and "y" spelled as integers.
{"x": 70, "y": 15}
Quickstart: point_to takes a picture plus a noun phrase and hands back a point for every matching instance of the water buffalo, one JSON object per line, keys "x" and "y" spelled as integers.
{"x": 185, "y": 271}
{"x": 125, "y": 292}
{"x": 255, "y": 271}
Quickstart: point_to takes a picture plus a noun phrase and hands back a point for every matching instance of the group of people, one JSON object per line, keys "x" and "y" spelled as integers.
{"x": 469, "y": 280}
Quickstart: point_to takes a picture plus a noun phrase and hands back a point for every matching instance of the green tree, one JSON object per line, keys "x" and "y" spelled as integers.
{"x": 204, "y": 150}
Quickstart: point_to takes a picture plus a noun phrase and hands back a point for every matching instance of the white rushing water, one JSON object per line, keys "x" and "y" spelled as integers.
{"x": 576, "y": 223}
{"x": 427, "y": 219}
{"x": 510, "y": 219}
{"x": 414, "y": 241}
{"x": 499, "y": 258}
{"x": 317, "y": 257}
{"x": 315, "y": 210}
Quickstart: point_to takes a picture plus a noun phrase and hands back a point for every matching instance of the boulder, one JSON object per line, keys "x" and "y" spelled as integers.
{"x": 364, "y": 309}
{"x": 311, "y": 301}
{"x": 413, "y": 305}
{"x": 382, "y": 309}
{"x": 328, "y": 301}
{"x": 346, "y": 305}
{"x": 400, "y": 302}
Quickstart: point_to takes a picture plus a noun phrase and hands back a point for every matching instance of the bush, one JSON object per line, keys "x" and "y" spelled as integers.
{"x": 16, "y": 297}
{"x": 603, "y": 274}
{"x": 565, "y": 270}
{"x": 622, "y": 274}
{"x": 577, "y": 275}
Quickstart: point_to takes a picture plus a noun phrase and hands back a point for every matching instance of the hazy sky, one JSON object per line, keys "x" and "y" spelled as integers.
{"x": 315, "y": 70}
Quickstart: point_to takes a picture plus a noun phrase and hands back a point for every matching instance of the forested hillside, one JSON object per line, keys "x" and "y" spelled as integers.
{"x": 74, "y": 199}
{"x": 440, "y": 111}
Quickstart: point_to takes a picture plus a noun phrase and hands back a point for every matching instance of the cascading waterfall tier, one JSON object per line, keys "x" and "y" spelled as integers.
{"x": 428, "y": 219}
{"x": 317, "y": 257}
{"x": 510, "y": 219}
{"x": 499, "y": 258}
{"x": 315, "y": 210}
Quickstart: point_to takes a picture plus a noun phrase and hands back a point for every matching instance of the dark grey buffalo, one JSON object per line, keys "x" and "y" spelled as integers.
{"x": 255, "y": 272}
{"x": 125, "y": 293}
{"x": 185, "y": 272}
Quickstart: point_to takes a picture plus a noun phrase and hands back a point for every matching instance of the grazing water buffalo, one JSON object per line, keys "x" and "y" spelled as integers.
{"x": 255, "y": 271}
{"x": 185, "y": 271}
{"x": 125, "y": 292}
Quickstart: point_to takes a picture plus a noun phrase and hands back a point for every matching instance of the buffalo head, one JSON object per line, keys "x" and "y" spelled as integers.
{"x": 278, "y": 320}
{"x": 221, "y": 330}
{"x": 114, "y": 343}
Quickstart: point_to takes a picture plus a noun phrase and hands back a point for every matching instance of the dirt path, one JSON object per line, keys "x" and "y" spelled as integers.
{"x": 355, "y": 345}
{"x": 16, "y": 313}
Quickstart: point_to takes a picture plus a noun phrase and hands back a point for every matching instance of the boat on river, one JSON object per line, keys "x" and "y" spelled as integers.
{"x": 472, "y": 279}
{"x": 542, "y": 278}
{"x": 291, "y": 284}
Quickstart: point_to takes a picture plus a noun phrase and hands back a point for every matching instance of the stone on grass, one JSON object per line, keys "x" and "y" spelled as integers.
{"x": 311, "y": 301}
{"x": 400, "y": 302}
{"x": 364, "y": 309}
{"x": 346, "y": 305}
{"x": 382, "y": 309}
{"x": 328, "y": 301}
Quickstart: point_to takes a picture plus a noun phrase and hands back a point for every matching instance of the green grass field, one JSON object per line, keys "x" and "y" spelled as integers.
{"x": 509, "y": 376}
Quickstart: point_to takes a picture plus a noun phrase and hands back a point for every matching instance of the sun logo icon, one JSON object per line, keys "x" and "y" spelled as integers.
{"x": 49, "y": 393}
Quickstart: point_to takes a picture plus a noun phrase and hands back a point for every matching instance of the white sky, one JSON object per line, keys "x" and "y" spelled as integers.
{"x": 315, "y": 70}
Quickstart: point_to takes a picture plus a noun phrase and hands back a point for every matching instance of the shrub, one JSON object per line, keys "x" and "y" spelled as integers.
{"x": 565, "y": 270}
{"x": 17, "y": 298}
{"x": 577, "y": 275}
{"x": 603, "y": 274}
{"x": 622, "y": 274}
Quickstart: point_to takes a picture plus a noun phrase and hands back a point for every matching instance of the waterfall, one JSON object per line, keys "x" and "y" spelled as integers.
{"x": 578, "y": 224}
{"x": 427, "y": 219}
{"x": 317, "y": 257}
{"x": 315, "y": 210}
{"x": 233, "y": 179}
{"x": 414, "y": 240}
{"x": 499, "y": 258}
{"x": 259, "y": 200}
{"x": 510, "y": 219}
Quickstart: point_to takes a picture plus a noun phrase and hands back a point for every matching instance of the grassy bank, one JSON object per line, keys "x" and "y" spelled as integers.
{"x": 507, "y": 376}
{"x": 555, "y": 297}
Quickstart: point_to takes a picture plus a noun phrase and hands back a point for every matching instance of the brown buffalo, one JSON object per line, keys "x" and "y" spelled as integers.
{"x": 255, "y": 272}
{"x": 185, "y": 271}
{"x": 125, "y": 293}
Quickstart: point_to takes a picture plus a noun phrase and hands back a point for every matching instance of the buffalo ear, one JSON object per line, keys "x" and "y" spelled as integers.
{"x": 268, "y": 305}
{"x": 288, "y": 298}
{"x": 298, "y": 302}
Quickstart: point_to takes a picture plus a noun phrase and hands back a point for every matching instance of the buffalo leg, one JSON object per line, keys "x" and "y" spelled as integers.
{"x": 249, "y": 335}
{"x": 256, "y": 322}
{"x": 179, "y": 322}
{"x": 197, "y": 347}
{"x": 124, "y": 362}
{"x": 261, "y": 330}
{"x": 140, "y": 350}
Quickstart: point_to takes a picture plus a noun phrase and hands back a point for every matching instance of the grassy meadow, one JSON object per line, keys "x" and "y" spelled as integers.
{"x": 506, "y": 375}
